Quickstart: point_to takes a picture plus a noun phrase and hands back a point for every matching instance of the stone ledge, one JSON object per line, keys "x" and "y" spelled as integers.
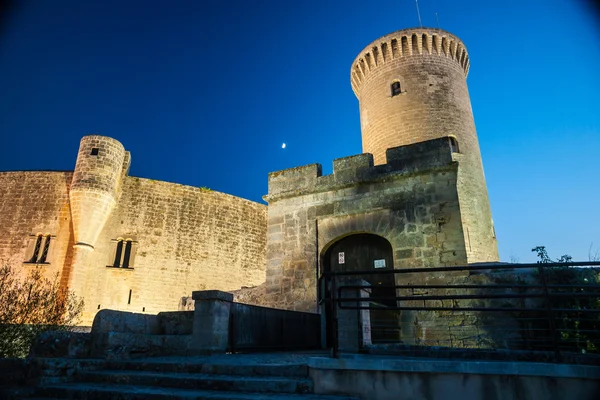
{"x": 212, "y": 295}
{"x": 395, "y": 364}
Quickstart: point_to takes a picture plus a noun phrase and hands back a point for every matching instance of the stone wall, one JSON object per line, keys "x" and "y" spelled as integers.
{"x": 411, "y": 201}
{"x": 185, "y": 239}
{"x": 34, "y": 203}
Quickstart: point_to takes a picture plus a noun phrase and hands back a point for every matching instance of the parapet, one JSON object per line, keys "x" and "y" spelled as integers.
{"x": 405, "y": 160}
{"x": 407, "y": 43}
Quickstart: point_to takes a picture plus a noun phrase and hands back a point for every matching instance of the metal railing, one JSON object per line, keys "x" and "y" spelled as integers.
{"x": 546, "y": 312}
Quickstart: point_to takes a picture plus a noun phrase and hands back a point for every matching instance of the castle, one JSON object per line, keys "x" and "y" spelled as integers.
{"x": 416, "y": 197}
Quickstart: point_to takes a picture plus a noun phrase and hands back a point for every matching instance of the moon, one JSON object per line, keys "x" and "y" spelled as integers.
{"x": 283, "y": 146}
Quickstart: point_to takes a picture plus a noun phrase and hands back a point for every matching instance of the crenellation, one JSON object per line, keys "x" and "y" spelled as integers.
{"x": 405, "y": 44}
{"x": 416, "y": 158}
{"x": 354, "y": 163}
{"x": 294, "y": 178}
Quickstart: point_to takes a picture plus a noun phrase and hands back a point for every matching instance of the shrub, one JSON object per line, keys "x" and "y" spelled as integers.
{"x": 30, "y": 306}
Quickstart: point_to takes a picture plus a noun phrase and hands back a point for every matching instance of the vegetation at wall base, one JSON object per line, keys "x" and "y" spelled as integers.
{"x": 30, "y": 306}
{"x": 577, "y": 331}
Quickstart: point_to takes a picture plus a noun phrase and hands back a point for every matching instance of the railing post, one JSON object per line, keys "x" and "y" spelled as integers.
{"x": 353, "y": 322}
{"x": 231, "y": 333}
{"x": 551, "y": 321}
{"x": 334, "y": 318}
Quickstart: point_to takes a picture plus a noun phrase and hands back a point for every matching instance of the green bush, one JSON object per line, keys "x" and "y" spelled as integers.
{"x": 578, "y": 330}
{"x": 30, "y": 306}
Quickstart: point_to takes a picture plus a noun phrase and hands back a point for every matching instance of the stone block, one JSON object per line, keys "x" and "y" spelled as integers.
{"x": 125, "y": 322}
{"x": 324, "y": 209}
{"x": 62, "y": 344}
{"x": 406, "y": 253}
{"x": 176, "y": 322}
{"x": 212, "y": 295}
{"x": 353, "y": 162}
{"x": 210, "y": 333}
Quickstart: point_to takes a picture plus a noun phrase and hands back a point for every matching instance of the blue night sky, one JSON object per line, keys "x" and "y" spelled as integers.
{"x": 204, "y": 93}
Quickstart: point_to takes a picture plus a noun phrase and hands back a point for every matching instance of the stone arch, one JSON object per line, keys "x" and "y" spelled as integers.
{"x": 363, "y": 252}
{"x": 382, "y": 223}
{"x": 373, "y": 254}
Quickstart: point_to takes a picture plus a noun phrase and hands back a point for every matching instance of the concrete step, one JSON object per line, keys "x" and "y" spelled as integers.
{"x": 299, "y": 370}
{"x": 98, "y": 391}
{"x": 181, "y": 380}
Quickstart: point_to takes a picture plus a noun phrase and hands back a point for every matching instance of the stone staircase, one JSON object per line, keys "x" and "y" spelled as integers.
{"x": 133, "y": 380}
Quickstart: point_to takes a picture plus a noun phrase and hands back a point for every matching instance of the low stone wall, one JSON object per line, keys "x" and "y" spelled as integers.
{"x": 52, "y": 344}
{"x": 164, "y": 323}
{"x": 381, "y": 378}
{"x": 118, "y": 334}
{"x": 262, "y": 328}
{"x": 221, "y": 325}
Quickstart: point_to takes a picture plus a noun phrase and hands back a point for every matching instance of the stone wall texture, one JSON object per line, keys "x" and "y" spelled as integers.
{"x": 431, "y": 66}
{"x": 411, "y": 201}
{"x": 34, "y": 203}
{"x": 184, "y": 239}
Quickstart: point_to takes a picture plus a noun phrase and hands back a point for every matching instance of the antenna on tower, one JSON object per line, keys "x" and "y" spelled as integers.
{"x": 437, "y": 21}
{"x": 418, "y": 13}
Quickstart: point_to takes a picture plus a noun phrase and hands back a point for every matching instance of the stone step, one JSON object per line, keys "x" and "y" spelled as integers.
{"x": 14, "y": 392}
{"x": 97, "y": 391}
{"x": 181, "y": 380}
{"x": 298, "y": 370}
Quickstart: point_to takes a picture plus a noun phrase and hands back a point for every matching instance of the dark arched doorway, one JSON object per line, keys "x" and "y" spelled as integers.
{"x": 367, "y": 252}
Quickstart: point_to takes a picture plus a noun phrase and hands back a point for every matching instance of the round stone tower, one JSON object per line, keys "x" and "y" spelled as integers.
{"x": 101, "y": 163}
{"x": 411, "y": 86}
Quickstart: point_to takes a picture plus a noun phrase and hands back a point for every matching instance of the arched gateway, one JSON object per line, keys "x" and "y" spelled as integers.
{"x": 373, "y": 253}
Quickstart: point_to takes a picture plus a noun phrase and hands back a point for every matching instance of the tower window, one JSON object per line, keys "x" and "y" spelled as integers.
{"x": 94, "y": 151}
{"x": 453, "y": 145}
{"x": 40, "y": 249}
{"x": 123, "y": 253}
{"x": 396, "y": 89}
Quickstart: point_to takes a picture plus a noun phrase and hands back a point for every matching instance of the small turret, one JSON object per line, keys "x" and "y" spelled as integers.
{"x": 101, "y": 164}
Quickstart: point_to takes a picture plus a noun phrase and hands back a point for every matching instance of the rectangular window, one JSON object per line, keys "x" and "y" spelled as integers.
{"x": 38, "y": 251}
{"x": 123, "y": 253}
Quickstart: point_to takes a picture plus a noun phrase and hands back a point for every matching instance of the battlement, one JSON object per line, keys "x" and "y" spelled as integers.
{"x": 407, "y": 43}
{"x": 404, "y": 160}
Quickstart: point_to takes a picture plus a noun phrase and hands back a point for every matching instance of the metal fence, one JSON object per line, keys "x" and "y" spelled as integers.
{"x": 548, "y": 312}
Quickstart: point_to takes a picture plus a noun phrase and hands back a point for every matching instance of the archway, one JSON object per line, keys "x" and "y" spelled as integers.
{"x": 367, "y": 252}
